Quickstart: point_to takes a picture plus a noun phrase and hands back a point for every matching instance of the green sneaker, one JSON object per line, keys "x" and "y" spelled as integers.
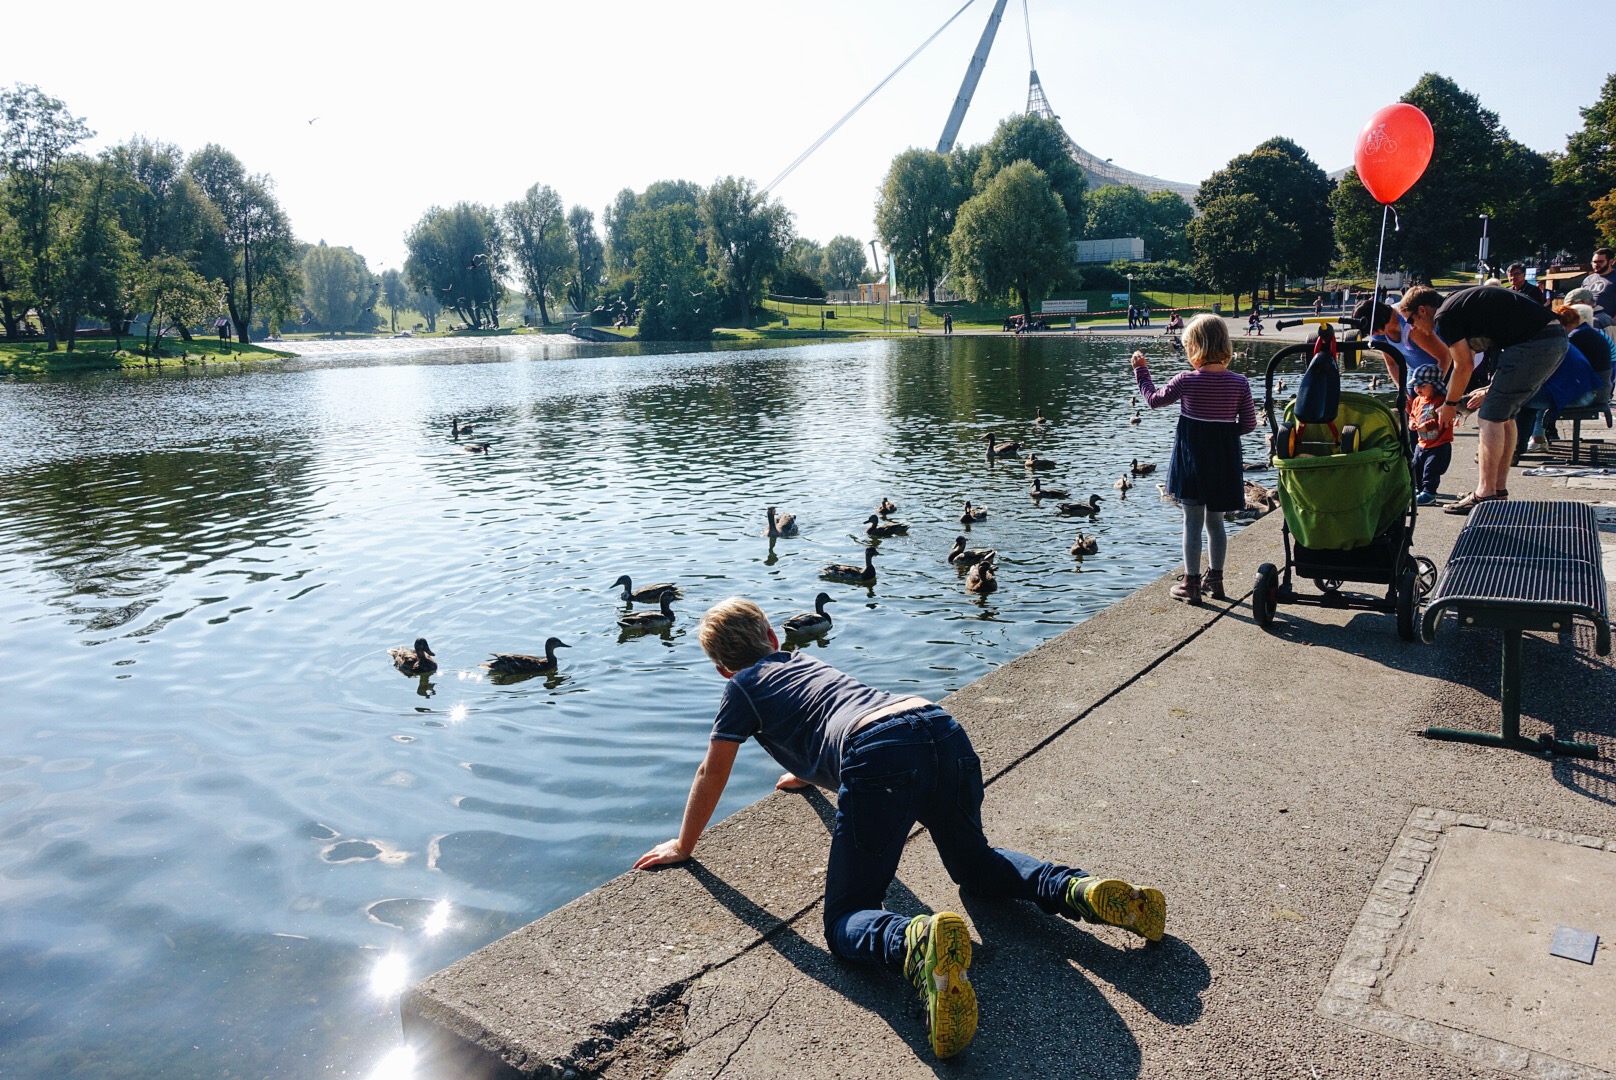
{"x": 936, "y": 952}
{"x": 1114, "y": 901}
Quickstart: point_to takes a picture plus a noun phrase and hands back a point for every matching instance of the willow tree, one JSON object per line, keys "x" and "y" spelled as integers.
{"x": 1012, "y": 237}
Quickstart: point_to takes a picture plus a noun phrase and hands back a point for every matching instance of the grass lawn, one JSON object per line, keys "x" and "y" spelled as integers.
{"x": 30, "y": 357}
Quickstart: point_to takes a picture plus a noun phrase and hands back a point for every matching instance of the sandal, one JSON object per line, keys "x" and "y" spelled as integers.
{"x": 1472, "y": 500}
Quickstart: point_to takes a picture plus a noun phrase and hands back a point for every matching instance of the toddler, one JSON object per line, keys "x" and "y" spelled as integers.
{"x": 1434, "y": 450}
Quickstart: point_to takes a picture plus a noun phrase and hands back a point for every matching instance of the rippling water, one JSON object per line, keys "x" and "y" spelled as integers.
{"x": 230, "y": 831}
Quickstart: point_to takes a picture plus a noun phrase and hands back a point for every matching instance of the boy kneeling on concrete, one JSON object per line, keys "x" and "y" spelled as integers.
{"x": 892, "y": 760}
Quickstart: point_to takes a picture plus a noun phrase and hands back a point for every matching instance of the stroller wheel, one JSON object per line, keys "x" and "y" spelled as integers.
{"x": 1285, "y": 446}
{"x": 1425, "y": 575}
{"x": 1265, "y": 595}
{"x": 1327, "y": 585}
{"x": 1349, "y": 439}
{"x": 1408, "y": 607}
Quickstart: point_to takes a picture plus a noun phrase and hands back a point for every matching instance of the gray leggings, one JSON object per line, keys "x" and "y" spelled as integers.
{"x": 1195, "y": 519}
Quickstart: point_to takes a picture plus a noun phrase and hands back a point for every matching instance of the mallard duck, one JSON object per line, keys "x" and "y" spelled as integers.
{"x": 457, "y": 429}
{"x": 1141, "y": 468}
{"x": 887, "y": 507}
{"x": 646, "y": 594}
{"x": 982, "y": 578}
{"x": 1033, "y": 461}
{"x": 1088, "y": 509}
{"x": 812, "y": 622}
{"x": 1123, "y": 484}
{"x": 874, "y": 528}
{"x": 960, "y": 555}
{"x": 474, "y": 447}
{"x": 416, "y": 661}
{"x": 1041, "y": 492}
{"x": 1004, "y": 449}
{"x": 1085, "y": 545}
{"x": 1039, "y": 417}
{"x": 780, "y": 524}
{"x": 522, "y": 664}
{"x": 651, "y": 620}
{"x": 1135, "y": 419}
{"x": 972, "y": 513}
{"x": 855, "y": 574}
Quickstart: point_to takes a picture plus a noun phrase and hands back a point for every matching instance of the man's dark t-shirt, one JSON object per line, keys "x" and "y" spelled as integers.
{"x": 1530, "y": 290}
{"x": 1500, "y": 316}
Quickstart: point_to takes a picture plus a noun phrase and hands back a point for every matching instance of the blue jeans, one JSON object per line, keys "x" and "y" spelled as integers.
{"x": 915, "y": 766}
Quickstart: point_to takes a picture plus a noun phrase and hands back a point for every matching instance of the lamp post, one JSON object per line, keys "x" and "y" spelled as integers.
{"x": 1130, "y": 295}
{"x": 1482, "y": 252}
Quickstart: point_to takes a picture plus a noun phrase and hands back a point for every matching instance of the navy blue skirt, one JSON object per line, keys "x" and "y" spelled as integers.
{"x": 1206, "y": 466}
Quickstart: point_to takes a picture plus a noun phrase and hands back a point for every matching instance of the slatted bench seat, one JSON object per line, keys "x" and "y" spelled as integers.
{"x": 1577, "y": 416}
{"x": 1523, "y": 566}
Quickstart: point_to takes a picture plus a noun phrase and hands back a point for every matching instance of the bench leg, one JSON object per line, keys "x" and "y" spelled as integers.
{"x": 1576, "y": 440}
{"x": 1509, "y": 697}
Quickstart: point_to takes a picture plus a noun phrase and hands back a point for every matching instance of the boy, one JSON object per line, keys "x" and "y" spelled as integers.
{"x": 1435, "y": 450}
{"x": 893, "y": 760}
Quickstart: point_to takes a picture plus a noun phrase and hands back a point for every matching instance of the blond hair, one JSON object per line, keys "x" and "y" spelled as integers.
{"x": 1206, "y": 340}
{"x": 735, "y": 634}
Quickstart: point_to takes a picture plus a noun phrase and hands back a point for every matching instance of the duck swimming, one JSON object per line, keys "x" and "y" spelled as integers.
{"x": 982, "y": 578}
{"x": 1085, "y": 545}
{"x": 1123, "y": 484}
{"x": 1141, "y": 468}
{"x": 474, "y": 447}
{"x": 1088, "y": 509}
{"x": 887, "y": 507}
{"x": 960, "y": 555}
{"x": 877, "y": 530}
{"x": 416, "y": 661}
{"x": 857, "y": 575}
{"x": 523, "y": 664}
{"x": 972, "y": 513}
{"x": 651, "y": 620}
{"x": 1135, "y": 419}
{"x": 812, "y": 622}
{"x": 1039, "y": 418}
{"x": 780, "y": 524}
{"x": 1004, "y": 449}
{"x": 1033, "y": 461}
{"x": 1040, "y": 492}
{"x": 646, "y": 594}
{"x": 457, "y": 429}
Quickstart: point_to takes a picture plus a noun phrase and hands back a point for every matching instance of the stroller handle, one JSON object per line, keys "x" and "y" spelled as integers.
{"x": 1344, "y": 348}
{"x": 1321, "y": 320}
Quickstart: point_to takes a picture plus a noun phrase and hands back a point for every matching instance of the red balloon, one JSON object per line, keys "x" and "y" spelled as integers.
{"x": 1394, "y": 148}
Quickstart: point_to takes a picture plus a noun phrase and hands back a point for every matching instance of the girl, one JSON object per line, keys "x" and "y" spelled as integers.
{"x": 1206, "y": 474}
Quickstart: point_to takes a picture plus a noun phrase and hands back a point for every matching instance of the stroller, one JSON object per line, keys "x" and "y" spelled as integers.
{"x": 1347, "y": 492}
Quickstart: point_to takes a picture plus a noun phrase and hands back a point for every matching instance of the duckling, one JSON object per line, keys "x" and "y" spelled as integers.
{"x": 780, "y": 524}
{"x": 857, "y": 575}
{"x": 1141, "y": 468}
{"x": 523, "y": 664}
{"x": 474, "y": 447}
{"x": 646, "y": 593}
{"x": 1004, "y": 449}
{"x": 982, "y": 578}
{"x": 812, "y": 622}
{"x": 960, "y": 555}
{"x": 1135, "y": 419}
{"x": 972, "y": 513}
{"x": 887, "y": 507}
{"x": 878, "y": 531}
{"x": 1033, "y": 461}
{"x": 1085, "y": 545}
{"x": 457, "y": 429}
{"x": 1039, "y": 417}
{"x": 1088, "y": 509}
{"x": 651, "y": 620}
{"x": 1040, "y": 492}
{"x": 1123, "y": 484}
{"x": 416, "y": 661}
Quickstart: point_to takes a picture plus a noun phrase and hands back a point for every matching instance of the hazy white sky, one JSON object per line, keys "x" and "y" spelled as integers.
{"x": 423, "y": 104}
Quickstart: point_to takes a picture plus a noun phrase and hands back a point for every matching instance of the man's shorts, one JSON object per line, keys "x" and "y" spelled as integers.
{"x": 1520, "y": 371}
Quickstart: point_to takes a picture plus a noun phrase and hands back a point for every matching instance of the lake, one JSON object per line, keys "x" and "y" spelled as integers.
{"x": 231, "y": 832}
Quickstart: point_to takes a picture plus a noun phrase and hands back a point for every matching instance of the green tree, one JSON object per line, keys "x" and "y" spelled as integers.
{"x": 677, "y": 303}
{"x": 395, "y": 294}
{"x": 1117, "y": 210}
{"x": 458, "y": 256}
{"x": 1235, "y": 241}
{"x": 424, "y": 301}
{"x": 746, "y": 234}
{"x": 1012, "y": 237}
{"x": 1295, "y": 190}
{"x": 161, "y": 208}
{"x": 254, "y": 248}
{"x": 590, "y": 254}
{"x": 800, "y": 270}
{"x": 1029, "y": 137}
{"x": 338, "y": 288}
{"x": 1585, "y": 176}
{"x": 914, "y": 216}
{"x": 537, "y": 238}
{"x": 846, "y": 264}
{"x": 174, "y": 296}
{"x": 619, "y": 247}
{"x": 1170, "y": 215}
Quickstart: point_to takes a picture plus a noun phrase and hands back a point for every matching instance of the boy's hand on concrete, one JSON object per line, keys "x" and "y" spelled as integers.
{"x": 788, "y": 782}
{"x": 664, "y": 854}
{"x": 1138, "y": 359}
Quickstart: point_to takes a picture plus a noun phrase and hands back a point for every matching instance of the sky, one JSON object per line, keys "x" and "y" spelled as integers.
{"x": 415, "y": 105}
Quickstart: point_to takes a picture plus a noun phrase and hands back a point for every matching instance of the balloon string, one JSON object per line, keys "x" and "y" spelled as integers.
{"x": 1386, "y": 209}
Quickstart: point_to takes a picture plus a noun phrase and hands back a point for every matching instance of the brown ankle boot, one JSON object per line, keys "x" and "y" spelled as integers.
{"x": 1212, "y": 584}
{"x": 1188, "y": 589}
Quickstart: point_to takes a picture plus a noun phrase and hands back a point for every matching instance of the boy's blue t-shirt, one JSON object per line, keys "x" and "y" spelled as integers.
{"x": 800, "y": 710}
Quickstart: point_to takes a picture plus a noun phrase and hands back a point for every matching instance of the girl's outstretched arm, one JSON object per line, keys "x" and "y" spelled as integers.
{"x": 711, "y": 776}
{"x": 1153, "y": 397}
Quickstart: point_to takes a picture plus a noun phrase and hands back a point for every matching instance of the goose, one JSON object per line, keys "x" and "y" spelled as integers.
{"x": 1033, "y": 461}
{"x": 982, "y": 578}
{"x": 1123, "y": 484}
{"x": 877, "y": 530}
{"x": 457, "y": 429}
{"x": 972, "y": 513}
{"x": 960, "y": 555}
{"x": 523, "y": 664}
{"x": 1039, "y": 418}
{"x": 1041, "y": 492}
{"x": 416, "y": 661}
{"x": 1004, "y": 449}
{"x": 1259, "y": 498}
{"x": 812, "y": 622}
{"x": 474, "y": 447}
{"x": 780, "y": 524}
{"x": 646, "y": 593}
{"x": 887, "y": 507}
{"x": 1141, "y": 468}
{"x": 1088, "y": 509}
{"x": 651, "y": 620}
{"x": 1135, "y": 419}
{"x": 1085, "y": 545}
{"x": 855, "y": 574}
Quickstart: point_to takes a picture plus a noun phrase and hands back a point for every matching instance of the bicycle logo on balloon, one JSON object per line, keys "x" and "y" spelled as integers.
{"x": 1378, "y": 142}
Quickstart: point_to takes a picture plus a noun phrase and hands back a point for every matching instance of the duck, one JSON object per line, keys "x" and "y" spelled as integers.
{"x": 1166, "y": 496}
{"x": 960, "y": 555}
{"x": 812, "y": 622}
{"x": 1135, "y": 419}
{"x": 1133, "y": 401}
{"x": 1088, "y": 509}
{"x": 1038, "y": 417}
{"x": 651, "y": 620}
{"x": 887, "y": 507}
{"x": 1041, "y": 492}
{"x": 1255, "y": 466}
{"x": 457, "y": 429}
{"x": 972, "y": 513}
{"x": 1004, "y": 449}
{"x": 1033, "y": 461}
{"x": 474, "y": 447}
{"x": 1141, "y": 468}
{"x": 1280, "y": 386}
{"x": 1085, "y": 545}
{"x": 523, "y": 664}
{"x": 982, "y": 578}
{"x": 1123, "y": 484}
{"x": 646, "y": 593}
{"x": 855, "y": 574}
{"x": 877, "y": 530}
{"x": 1260, "y": 498}
{"x": 780, "y": 524}
{"x": 416, "y": 661}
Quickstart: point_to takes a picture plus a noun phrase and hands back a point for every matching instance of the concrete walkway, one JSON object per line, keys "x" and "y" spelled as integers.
{"x": 1276, "y": 785}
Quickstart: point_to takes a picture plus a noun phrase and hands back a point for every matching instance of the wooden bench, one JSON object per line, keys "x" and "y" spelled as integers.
{"x": 1521, "y": 566}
